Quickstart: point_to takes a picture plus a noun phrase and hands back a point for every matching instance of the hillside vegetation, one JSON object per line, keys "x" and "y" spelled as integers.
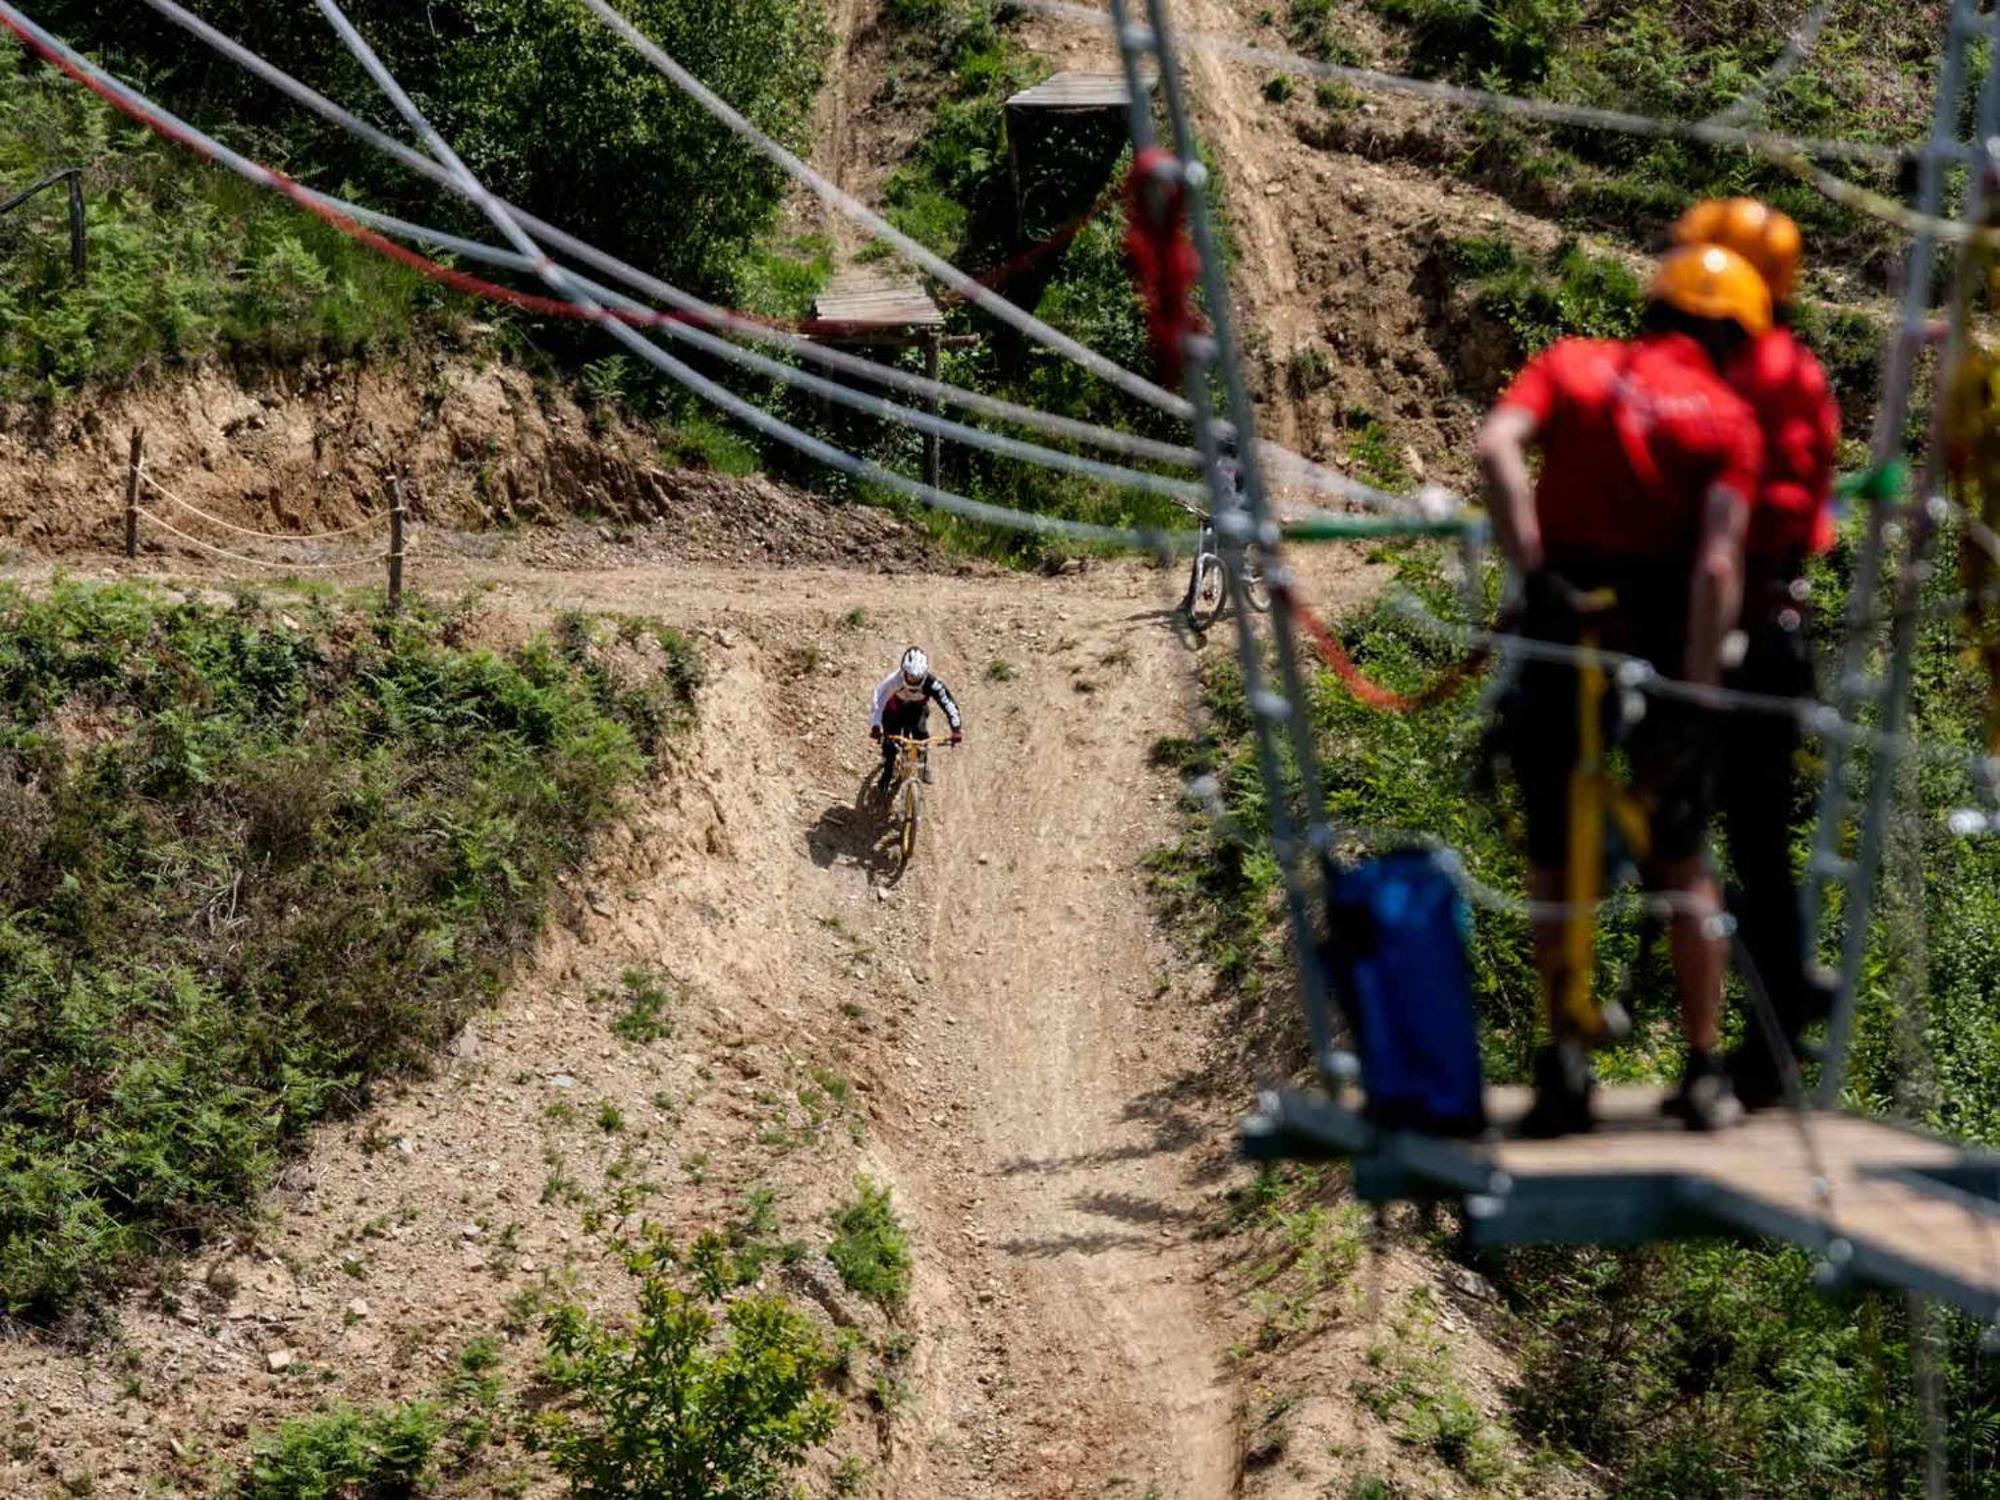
{"x": 261, "y": 853}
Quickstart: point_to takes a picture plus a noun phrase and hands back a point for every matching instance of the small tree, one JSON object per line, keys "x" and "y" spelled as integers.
{"x": 694, "y": 1400}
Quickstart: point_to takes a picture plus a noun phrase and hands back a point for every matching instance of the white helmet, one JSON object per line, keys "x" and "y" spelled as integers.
{"x": 916, "y": 666}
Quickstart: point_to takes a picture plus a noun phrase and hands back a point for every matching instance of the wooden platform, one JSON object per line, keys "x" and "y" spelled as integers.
{"x": 1877, "y": 1202}
{"x": 873, "y": 305}
{"x": 1068, "y": 91}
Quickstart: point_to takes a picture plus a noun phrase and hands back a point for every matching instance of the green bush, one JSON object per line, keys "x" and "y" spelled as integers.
{"x": 870, "y": 1249}
{"x": 255, "y": 863}
{"x": 695, "y": 1398}
{"x": 1870, "y": 78}
{"x": 543, "y": 101}
{"x": 346, "y": 1454}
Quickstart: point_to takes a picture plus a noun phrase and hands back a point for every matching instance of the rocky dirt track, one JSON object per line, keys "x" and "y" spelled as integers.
{"x": 1020, "y": 1039}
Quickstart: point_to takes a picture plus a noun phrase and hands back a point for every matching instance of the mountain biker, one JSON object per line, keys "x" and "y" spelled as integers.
{"x": 903, "y": 706}
{"x": 1649, "y": 463}
{"x": 1791, "y": 521}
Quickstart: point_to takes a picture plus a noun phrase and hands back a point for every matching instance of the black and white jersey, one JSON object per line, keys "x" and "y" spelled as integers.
{"x": 894, "y": 689}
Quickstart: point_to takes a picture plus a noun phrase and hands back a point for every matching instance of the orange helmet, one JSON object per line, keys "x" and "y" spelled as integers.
{"x": 1760, "y": 234}
{"x": 1707, "y": 281}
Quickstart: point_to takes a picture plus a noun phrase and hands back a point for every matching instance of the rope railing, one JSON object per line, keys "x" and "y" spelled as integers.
{"x": 146, "y": 478}
{"x": 139, "y": 479}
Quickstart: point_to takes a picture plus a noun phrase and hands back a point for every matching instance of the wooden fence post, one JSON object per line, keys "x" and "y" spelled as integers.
{"x": 132, "y": 492}
{"x": 395, "y": 544}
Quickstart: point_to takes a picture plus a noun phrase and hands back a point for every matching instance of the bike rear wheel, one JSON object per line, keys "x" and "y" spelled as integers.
{"x": 1256, "y": 592}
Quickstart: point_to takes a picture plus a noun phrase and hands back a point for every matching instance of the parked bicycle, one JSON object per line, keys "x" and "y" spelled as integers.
{"x": 1208, "y": 581}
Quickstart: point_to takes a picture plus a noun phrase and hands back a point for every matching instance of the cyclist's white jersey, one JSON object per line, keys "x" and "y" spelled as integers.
{"x": 893, "y": 689}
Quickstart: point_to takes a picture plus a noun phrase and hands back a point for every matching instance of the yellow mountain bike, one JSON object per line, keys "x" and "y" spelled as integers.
{"x": 905, "y": 799}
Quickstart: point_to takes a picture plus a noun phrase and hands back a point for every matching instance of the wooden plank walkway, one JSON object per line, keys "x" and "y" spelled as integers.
{"x": 1878, "y": 1202}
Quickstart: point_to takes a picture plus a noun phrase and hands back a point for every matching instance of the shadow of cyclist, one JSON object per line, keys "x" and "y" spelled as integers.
{"x": 859, "y": 833}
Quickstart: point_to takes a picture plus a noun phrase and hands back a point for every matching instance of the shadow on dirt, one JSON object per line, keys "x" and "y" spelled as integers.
{"x": 858, "y": 833}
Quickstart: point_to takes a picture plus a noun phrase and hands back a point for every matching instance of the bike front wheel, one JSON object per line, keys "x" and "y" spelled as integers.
{"x": 1207, "y": 591}
{"x": 907, "y": 801}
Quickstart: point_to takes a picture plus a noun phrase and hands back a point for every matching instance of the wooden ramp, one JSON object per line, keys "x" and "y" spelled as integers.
{"x": 1877, "y": 1202}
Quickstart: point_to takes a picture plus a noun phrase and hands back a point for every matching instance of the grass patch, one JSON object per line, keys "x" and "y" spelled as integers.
{"x": 1871, "y": 78}
{"x": 1413, "y": 1384}
{"x": 645, "y": 1002}
{"x": 870, "y": 1249}
{"x": 1570, "y": 292}
{"x": 394, "y": 1450}
{"x": 257, "y": 862}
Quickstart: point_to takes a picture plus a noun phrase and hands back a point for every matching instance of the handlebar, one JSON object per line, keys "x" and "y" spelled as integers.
{"x": 904, "y": 739}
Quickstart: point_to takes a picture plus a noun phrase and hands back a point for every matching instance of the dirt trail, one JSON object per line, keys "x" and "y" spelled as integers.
{"x": 1008, "y": 1012}
{"x": 1031, "y": 1121}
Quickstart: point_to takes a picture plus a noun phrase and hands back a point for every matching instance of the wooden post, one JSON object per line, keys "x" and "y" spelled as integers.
{"x": 79, "y": 260}
{"x": 395, "y": 545}
{"x": 933, "y": 444}
{"x": 132, "y": 492}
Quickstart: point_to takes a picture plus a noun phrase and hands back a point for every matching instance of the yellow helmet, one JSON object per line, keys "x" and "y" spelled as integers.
{"x": 1707, "y": 281}
{"x": 1769, "y": 240}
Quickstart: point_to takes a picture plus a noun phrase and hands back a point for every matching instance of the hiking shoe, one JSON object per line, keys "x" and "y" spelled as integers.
{"x": 1705, "y": 1100}
{"x": 1562, "y": 1093}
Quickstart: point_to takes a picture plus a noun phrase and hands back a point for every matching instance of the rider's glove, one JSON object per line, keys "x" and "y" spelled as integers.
{"x": 874, "y": 731}
{"x": 957, "y": 738}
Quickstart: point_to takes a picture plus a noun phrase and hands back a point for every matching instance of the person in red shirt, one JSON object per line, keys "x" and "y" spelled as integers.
{"x": 1649, "y": 462}
{"x": 1791, "y": 520}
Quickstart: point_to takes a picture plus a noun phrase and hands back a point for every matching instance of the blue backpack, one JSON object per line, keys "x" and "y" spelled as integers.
{"x": 1396, "y": 953}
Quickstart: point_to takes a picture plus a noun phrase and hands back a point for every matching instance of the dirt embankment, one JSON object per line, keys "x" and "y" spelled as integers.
{"x": 484, "y": 446}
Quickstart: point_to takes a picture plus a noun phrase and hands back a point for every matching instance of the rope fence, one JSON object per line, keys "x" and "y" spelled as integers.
{"x": 395, "y": 519}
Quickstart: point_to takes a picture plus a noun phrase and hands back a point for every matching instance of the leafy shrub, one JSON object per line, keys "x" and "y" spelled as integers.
{"x": 695, "y": 1398}
{"x": 254, "y": 864}
{"x": 385, "y": 1454}
{"x": 1871, "y": 78}
{"x": 870, "y": 1249}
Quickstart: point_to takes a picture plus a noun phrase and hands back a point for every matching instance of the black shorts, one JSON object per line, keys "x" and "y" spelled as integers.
{"x": 1667, "y": 751}
{"x": 911, "y": 720}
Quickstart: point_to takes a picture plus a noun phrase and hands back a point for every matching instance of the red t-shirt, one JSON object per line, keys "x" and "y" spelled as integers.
{"x": 1792, "y": 515}
{"x": 1633, "y": 436}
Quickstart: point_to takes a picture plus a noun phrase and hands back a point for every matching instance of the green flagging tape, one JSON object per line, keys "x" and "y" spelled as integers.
{"x": 1878, "y": 485}
{"x": 1365, "y": 528}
